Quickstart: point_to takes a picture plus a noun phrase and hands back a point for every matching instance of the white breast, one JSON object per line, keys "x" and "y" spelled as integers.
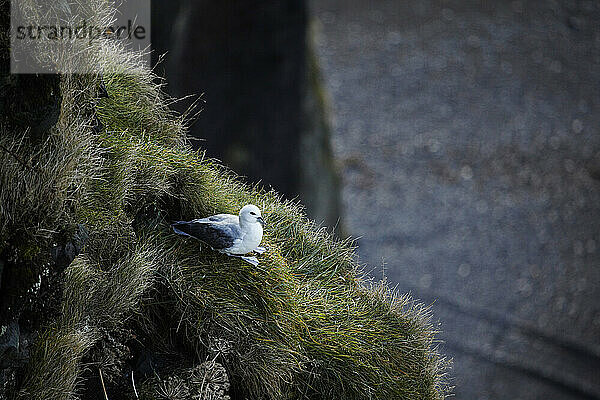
{"x": 251, "y": 238}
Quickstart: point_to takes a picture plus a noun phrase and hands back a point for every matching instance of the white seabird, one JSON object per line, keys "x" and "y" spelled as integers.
{"x": 229, "y": 234}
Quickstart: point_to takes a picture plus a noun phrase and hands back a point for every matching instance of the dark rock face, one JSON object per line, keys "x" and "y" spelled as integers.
{"x": 249, "y": 61}
{"x": 469, "y": 134}
{"x": 12, "y": 356}
{"x": 9, "y": 344}
{"x": 63, "y": 255}
{"x": 32, "y": 101}
{"x": 319, "y": 178}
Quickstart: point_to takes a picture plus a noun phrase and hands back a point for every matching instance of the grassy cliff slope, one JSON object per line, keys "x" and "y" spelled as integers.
{"x": 108, "y": 299}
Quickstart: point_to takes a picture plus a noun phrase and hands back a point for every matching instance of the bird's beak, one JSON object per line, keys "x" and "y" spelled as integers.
{"x": 261, "y": 221}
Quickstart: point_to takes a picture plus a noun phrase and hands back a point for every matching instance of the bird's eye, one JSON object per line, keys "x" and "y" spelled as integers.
{"x": 252, "y": 212}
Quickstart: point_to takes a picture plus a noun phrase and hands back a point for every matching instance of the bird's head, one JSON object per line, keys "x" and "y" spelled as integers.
{"x": 251, "y": 214}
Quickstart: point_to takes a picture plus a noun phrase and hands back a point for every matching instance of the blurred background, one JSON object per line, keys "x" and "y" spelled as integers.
{"x": 458, "y": 139}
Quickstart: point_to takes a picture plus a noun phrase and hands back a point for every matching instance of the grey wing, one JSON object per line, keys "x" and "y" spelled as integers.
{"x": 221, "y": 218}
{"x": 218, "y": 235}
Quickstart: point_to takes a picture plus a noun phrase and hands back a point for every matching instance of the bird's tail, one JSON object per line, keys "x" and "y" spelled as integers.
{"x": 180, "y": 228}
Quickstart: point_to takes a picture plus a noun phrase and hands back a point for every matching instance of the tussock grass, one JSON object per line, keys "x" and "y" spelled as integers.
{"x": 303, "y": 324}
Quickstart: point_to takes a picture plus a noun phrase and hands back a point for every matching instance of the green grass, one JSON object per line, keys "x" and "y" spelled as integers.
{"x": 303, "y": 324}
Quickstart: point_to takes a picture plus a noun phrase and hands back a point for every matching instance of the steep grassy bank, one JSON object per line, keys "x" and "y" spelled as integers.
{"x": 102, "y": 290}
